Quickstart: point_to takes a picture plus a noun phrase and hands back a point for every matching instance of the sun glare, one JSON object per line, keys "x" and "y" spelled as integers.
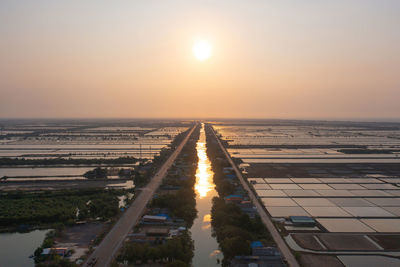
{"x": 202, "y": 50}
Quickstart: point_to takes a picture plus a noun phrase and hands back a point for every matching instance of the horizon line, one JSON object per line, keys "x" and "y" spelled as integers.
{"x": 331, "y": 119}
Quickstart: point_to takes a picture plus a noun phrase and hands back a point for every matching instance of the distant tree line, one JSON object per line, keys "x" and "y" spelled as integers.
{"x": 66, "y": 161}
{"x": 218, "y": 162}
{"x": 96, "y": 173}
{"x": 367, "y": 151}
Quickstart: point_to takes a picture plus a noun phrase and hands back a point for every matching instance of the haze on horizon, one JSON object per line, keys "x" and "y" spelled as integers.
{"x": 270, "y": 59}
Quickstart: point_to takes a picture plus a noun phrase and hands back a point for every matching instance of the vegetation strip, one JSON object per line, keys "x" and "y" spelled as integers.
{"x": 235, "y": 222}
{"x": 112, "y": 242}
{"x": 175, "y": 199}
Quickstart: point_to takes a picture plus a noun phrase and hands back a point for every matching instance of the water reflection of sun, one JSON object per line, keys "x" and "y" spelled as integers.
{"x": 204, "y": 182}
{"x": 207, "y": 218}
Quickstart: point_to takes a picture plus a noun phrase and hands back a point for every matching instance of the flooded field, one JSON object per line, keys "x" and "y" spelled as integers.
{"x": 206, "y": 247}
{"x": 342, "y": 175}
{"x": 314, "y": 133}
{"x": 71, "y": 159}
{"x": 86, "y": 139}
{"x": 42, "y": 152}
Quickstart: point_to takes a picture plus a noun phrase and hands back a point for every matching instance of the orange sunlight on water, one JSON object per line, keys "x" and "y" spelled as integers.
{"x": 204, "y": 174}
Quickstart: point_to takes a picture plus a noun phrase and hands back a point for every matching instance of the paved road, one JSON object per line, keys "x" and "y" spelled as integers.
{"x": 287, "y": 254}
{"x": 109, "y": 246}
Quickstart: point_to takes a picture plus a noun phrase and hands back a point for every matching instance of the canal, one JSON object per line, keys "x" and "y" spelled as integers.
{"x": 206, "y": 247}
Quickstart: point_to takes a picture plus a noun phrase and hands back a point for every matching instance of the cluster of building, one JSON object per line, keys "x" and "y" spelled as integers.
{"x": 58, "y": 251}
{"x": 239, "y": 196}
{"x": 157, "y": 224}
{"x": 156, "y": 227}
{"x": 261, "y": 255}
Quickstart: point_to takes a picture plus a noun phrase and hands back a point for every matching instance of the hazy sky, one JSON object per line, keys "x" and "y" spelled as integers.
{"x": 271, "y": 59}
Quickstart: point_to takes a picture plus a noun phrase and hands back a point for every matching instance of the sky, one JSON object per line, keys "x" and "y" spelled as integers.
{"x": 270, "y": 59}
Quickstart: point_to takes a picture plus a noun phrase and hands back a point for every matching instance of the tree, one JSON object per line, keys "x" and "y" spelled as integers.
{"x": 97, "y": 173}
{"x": 177, "y": 263}
{"x": 234, "y": 246}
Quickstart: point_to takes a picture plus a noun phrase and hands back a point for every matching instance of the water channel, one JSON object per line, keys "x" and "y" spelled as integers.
{"x": 206, "y": 247}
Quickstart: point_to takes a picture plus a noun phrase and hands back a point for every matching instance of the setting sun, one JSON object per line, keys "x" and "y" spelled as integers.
{"x": 202, "y": 50}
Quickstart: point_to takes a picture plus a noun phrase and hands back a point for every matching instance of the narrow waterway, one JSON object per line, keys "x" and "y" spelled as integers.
{"x": 206, "y": 247}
